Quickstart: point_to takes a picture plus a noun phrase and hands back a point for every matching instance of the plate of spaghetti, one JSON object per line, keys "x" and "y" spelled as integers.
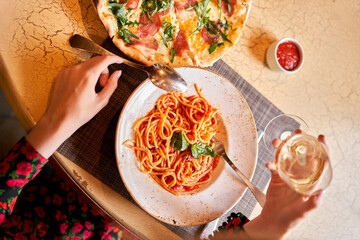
{"x": 164, "y": 151}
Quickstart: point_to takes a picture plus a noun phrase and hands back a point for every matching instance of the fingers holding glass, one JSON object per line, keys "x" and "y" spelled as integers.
{"x": 304, "y": 164}
{"x": 301, "y": 160}
{"x": 281, "y": 127}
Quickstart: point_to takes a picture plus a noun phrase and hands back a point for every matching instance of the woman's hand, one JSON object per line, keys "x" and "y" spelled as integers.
{"x": 284, "y": 208}
{"x": 74, "y": 102}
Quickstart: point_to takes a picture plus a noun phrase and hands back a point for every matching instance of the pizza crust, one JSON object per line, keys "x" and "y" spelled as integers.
{"x": 137, "y": 52}
{"x": 109, "y": 21}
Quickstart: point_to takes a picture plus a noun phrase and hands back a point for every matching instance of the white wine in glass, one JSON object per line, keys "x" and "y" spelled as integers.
{"x": 303, "y": 163}
{"x": 301, "y": 160}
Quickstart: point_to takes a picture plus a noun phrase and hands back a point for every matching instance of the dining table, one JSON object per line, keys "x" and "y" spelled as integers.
{"x": 325, "y": 92}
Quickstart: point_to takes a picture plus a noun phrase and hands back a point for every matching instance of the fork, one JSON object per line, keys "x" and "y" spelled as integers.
{"x": 259, "y": 195}
{"x": 220, "y": 151}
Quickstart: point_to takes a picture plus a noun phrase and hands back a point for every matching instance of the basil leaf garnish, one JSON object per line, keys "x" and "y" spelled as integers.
{"x": 125, "y": 35}
{"x": 214, "y": 46}
{"x": 202, "y": 149}
{"x": 201, "y": 12}
{"x": 178, "y": 141}
{"x": 153, "y": 6}
{"x": 116, "y": 4}
{"x": 172, "y": 54}
{"x": 168, "y": 33}
{"x": 118, "y": 10}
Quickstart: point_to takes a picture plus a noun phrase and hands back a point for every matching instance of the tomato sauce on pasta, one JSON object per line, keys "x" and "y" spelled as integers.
{"x": 176, "y": 171}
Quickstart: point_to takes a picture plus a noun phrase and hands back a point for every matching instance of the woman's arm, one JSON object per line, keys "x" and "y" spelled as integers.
{"x": 74, "y": 102}
{"x": 284, "y": 209}
{"x": 19, "y": 166}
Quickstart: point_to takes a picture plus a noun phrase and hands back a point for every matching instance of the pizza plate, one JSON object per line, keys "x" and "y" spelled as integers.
{"x": 236, "y": 129}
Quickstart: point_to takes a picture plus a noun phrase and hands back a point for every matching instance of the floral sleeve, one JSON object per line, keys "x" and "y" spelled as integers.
{"x": 19, "y": 166}
{"x": 233, "y": 228}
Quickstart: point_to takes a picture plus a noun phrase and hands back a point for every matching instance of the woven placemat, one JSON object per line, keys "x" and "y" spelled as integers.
{"x": 92, "y": 146}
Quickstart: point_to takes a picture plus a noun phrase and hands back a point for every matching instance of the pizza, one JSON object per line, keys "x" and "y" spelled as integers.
{"x": 174, "y": 32}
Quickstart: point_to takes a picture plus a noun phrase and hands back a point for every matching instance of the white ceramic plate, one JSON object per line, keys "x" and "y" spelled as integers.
{"x": 236, "y": 130}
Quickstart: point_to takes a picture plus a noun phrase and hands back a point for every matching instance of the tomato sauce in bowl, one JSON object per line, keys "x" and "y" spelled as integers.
{"x": 288, "y": 55}
{"x": 285, "y": 55}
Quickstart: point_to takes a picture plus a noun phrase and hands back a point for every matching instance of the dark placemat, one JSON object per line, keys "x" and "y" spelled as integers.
{"x": 92, "y": 146}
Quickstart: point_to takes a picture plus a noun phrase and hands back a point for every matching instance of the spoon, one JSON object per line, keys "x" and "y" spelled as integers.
{"x": 160, "y": 75}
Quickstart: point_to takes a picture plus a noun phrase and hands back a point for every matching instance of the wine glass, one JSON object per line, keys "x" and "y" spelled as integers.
{"x": 301, "y": 160}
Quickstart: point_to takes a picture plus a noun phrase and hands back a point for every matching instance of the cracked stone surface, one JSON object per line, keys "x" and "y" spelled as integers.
{"x": 325, "y": 92}
{"x": 35, "y": 47}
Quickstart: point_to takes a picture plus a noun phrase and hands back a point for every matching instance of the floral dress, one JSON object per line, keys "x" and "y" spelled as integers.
{"x": 47, "y": 208}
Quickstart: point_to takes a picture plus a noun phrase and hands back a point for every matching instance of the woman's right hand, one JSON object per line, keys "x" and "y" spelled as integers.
{"x": 284, "y": 208}
{"x": 74, "y": 102}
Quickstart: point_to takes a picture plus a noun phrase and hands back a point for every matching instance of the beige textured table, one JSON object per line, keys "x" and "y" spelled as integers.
{"x": 325, "y": 92}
